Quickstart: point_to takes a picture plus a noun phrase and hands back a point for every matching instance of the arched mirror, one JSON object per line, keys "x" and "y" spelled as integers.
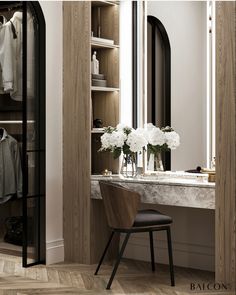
{"x": 158, "y": 78}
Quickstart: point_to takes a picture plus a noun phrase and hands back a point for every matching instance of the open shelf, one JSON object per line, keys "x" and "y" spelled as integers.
{"x": 104, "y": 3}
{"x": 104, "y": 89}
{"x": 105, "y": 100}
{"x": 101, "y": 45}
{"x": 97, "y": 130}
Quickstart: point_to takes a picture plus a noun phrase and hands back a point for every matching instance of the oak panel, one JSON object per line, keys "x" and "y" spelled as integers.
{"x": 225, "y": 142}
{"x": 76, "y": 130}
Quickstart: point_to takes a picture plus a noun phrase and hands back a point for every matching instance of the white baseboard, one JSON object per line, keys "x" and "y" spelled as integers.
{"x": 54, "y": 251}
{"x": 185, "y": 254}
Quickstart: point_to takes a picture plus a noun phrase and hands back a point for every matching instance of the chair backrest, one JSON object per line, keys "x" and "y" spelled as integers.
{"x": 121, "y": 204}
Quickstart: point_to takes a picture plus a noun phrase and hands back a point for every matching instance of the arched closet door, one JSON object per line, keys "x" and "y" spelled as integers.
{"x": 33, "y": 90}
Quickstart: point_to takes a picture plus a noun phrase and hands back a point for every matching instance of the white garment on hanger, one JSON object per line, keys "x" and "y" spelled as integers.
{"x": 16, "y": 93}
{"x": 6, "y": 61}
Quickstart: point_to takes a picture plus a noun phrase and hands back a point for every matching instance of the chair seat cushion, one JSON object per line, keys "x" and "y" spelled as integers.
{"x": 150, "y": 217}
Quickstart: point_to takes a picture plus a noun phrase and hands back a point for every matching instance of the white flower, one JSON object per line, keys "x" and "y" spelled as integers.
{"x": 172, "y": 139}
{"x": 156, "y": 137}
{"x": 122, "y": 126}
{"x": 136, "y": 141}
{"x": 106, "y": 141}
{"x": 118, "y": 138}
{"x": 149, "y": 126}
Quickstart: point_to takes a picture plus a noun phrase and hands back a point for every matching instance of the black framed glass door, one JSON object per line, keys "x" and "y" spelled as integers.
{"x": 33, "y": 89}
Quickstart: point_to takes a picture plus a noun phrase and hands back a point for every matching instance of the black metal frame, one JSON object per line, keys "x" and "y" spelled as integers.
{"x": 128, "y": 232}
{"x": 36, "y": 11}
{"x": 157, "y": 25}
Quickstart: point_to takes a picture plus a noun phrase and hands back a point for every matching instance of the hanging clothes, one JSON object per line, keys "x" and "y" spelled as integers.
{"x": 16, "y": 20}
{"x": 4, "y": 20}
{"x": 10, "y": 168}
{"x": 6, "y": 58}
{"x": 11, "y": 52}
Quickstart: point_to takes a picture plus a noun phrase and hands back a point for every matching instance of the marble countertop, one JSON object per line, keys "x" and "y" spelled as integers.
{"x": 198, "y": 181}
{"x": 190, "y": 191}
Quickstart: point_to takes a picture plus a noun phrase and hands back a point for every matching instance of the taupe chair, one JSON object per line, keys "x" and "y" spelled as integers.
{"x": 121, "y": 207}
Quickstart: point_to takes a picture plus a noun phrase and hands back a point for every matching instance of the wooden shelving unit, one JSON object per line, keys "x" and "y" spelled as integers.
{"x": 105, "y": 100}
{"x": 83, "y": 104}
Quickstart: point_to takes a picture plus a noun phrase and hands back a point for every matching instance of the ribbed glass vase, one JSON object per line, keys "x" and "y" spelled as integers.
{"x": 129, "y": 165}
{"x": 154, "y": 162}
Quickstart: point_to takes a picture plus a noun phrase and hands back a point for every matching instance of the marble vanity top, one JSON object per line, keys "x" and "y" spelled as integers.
{"x": 198, "y": 180}
{"x": 175, "y": 189}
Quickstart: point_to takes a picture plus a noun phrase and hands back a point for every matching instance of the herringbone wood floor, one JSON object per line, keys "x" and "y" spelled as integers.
{"x": 133, "y": 277}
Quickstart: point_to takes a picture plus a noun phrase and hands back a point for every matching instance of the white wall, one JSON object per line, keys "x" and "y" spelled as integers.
{"x": 126, "y": 62}
{"x": 54, "y": 198}
{"x": 186, "y": 27}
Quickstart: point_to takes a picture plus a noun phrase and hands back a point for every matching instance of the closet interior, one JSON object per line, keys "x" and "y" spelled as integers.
{"x": 11, "y": 220}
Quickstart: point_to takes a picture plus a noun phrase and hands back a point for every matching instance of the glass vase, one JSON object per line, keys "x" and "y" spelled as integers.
{"x": 129, "y": 165}
{"x": 154, "y": 162}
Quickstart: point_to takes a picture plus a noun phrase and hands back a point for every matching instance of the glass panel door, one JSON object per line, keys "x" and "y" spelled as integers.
{"x": 33, "y": 136}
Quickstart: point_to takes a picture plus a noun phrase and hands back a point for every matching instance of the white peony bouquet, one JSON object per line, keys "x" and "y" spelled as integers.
{"x": 124, "y": 139}
{"x": 159, "y": 140}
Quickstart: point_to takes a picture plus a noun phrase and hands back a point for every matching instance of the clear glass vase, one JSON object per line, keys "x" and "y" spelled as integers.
{"x": 129, "y": 165}
{"x": 154, "y": 162}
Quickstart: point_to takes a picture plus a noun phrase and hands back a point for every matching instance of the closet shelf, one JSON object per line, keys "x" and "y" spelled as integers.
{"x": 102, "y": 45}
{"x": 104, "y": 89}
{"x": 15, "y": 122}
{"x": 97, "y": 130}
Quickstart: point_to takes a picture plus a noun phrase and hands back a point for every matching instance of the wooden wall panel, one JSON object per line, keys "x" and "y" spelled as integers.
{"x": 76, "y": 130}
{"x": 225, "y": 142}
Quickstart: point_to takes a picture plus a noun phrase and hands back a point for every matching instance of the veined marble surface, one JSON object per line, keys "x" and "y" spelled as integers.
{"x": 185, "y": 192}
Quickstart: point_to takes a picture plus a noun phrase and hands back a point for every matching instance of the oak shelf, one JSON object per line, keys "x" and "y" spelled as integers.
{"x": 104, "y": 89}
{"x": 97, "y": 130}
{"x": 102, "y": 45}
{"x": 104, "y": 3}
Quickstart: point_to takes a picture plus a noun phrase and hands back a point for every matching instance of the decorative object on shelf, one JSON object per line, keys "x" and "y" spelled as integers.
{"x": 107, "y": 172}
{"x": 211, "y": 174}
{"x": 97, "y": 123}
{"x": 124, "y": 140}
{"x": 99, "y": 80}
{"x": 159, "y": 140}
{"x": 94, "y": 64}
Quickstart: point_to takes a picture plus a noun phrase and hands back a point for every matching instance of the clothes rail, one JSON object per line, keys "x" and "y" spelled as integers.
{"x": 9, "y": 5}
{"x": 16, "y": 122}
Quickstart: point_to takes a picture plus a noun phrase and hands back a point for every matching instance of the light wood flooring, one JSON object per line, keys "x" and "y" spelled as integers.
{"x": 68, "y": 278}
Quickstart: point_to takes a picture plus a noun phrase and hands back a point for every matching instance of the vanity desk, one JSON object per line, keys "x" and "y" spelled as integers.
{"x": 188, "y": 198}
{"x": 171, "y": 189}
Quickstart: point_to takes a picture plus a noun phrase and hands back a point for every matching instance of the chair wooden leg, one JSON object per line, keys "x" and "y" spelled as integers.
{"x": 118, "y": 261}
{"x": 152, "y": 250}
{"x": 104, "y": 253}
{"x": 172, "y": 277}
